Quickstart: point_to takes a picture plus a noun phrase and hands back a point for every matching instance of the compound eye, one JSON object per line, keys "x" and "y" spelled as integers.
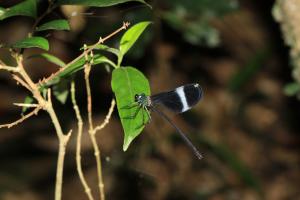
{"x": 136, "y": 97}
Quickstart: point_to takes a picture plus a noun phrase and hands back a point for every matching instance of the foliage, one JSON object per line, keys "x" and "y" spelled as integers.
{"x": 192, "y": 18}
{"x": 59, "y": 82}
{"x": 59, "y": 24}
{"x": 51, "y": 58}
{"x": 38, "y": 42}
{"x": 25, "y": 8}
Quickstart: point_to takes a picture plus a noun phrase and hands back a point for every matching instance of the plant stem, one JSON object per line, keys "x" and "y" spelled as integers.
{"x": 99, "y": 164}
{"x": 47, "y": 105}
{"x": 78, "y": 143}
{"x": 87, "y": 70}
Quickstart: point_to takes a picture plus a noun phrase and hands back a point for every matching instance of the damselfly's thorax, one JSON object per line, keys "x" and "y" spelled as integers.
{"x": 143, "y": 100}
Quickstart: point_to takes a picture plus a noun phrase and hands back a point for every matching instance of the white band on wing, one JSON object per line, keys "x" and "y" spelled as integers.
{"x": 181, "y": 95}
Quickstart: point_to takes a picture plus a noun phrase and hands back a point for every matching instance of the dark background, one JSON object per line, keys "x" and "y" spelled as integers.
{"x": 246, "y": 128}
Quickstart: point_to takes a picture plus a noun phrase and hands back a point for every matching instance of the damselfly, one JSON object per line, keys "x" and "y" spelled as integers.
{"x": 178, "y": 100}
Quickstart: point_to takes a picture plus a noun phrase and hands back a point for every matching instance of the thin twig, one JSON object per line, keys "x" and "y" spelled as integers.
{"x": 47, "y": 105}
{"x": 63, "y": 140}
{"x": 78, "y": 144}
{"x": 34, "y": 112}
{"x": 107, "y": 118}
{"x": 124, "y": 27}
{"x": 91, "y": 129}
{"x": 100, "y": 41}
{"x": 60, "y": 164}
{"x": 50, "y": 7}
{"x": 8, "y": 68}
{"x": 30, "y": 84}
{"x": 97, "y": 150}
{"x": 27, "y": 105}
{"x": 97, "y": 154}
{"x": 20, "y": 81}
{"x": 87, "y": 70}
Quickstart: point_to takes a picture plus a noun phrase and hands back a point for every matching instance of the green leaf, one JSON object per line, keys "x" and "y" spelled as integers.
{"x": 51, "y": 58}
{"x": 27, "y": 100}
{"x": 38, "y": 42}
{"x": 192, "y": 18}
{"x": 25, "y": 8}
{"x": 61, "y": 91}
{"x": 108, "y": 49}
{"x": 2, "y": 12}
{"x": 59, "y": 24}
{"x": 96, "y": 3}
{"x": 103, "y": 59}
{"x": 131, "y": 36}
{"x": 126, "y": 83}
{"x": 291, "y": 89}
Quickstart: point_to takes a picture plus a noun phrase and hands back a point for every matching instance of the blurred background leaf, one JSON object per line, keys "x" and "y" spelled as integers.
{"x": 25, "y": 8}
{"x": 59, "y": 24}
{"x": 30, "y": 42}
{"x": 193, "y": 19}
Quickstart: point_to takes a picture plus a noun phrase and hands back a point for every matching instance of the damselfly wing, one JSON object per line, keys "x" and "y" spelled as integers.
{"x": 179, "y": 100}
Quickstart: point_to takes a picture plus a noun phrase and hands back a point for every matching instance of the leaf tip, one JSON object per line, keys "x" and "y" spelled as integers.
{"x": 127, "y": 142}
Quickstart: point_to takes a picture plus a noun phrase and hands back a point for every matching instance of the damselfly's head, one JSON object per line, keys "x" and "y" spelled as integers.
{"x": 142, "y": 99}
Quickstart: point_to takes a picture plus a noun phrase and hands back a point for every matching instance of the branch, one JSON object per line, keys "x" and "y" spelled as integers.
{"x": 87, "y": 70}
{"x": 97, "y": 154}
{"x": 60, "y": 164}
{"x": 47, "y": 105}
{"x": 78, "y": 144}
{"x": 92, "y": 134}
{"x": 27, "y": 105}
{"x": 8, "y": 68}
{"x": 100, "y": 41}
{"x": 107, "y": 118}
{"x": 39, "y": 19}
{"x": 34, "y": 112}
{"x": 20, "y": 81}
{"x": 99, "y": 165}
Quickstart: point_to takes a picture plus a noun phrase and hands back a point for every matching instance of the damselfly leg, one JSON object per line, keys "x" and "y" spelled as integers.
{"x": 141, "y": 107}
{"x": 135, "y": 114}
{"x": 147, "y": 121}
{"x": 132, "y": 105}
